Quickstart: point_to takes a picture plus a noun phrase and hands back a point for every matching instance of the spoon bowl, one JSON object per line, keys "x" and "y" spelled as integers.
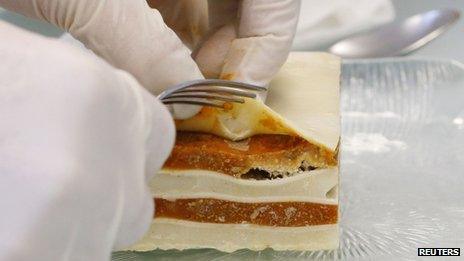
{"x": 397, "y": 38}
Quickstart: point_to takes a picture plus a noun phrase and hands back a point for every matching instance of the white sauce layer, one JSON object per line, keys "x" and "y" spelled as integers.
{"x": 168, "y": 233}
{"x": 311, "y": 186}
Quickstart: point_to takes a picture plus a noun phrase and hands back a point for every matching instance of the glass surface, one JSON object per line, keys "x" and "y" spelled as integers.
{"x": 402, "y": 165}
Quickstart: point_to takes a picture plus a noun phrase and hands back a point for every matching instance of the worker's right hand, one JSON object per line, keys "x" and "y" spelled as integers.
{"x": 79, "y": 140}
{"x": 126, "y": 33}
{"x": 241, "y": 40}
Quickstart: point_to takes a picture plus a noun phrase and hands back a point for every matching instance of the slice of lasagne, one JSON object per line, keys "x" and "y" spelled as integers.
{"x": 253, "y": 175}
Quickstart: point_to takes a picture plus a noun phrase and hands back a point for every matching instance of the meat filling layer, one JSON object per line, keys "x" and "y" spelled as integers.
{"x": 264, "y": 156}
{"x": 283, "y": 214}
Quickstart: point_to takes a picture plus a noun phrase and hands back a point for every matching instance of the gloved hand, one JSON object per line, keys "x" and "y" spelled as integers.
{"x": 78, "y": 141}
{"x": 245, "y": 40}
{"x": 126, "y": 33}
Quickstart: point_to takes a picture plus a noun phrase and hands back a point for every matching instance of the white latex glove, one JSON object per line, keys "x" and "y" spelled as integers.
{"x": 126, "y": 33}
{"x": 245, "y": 40}
{"x": 78, "y": 141}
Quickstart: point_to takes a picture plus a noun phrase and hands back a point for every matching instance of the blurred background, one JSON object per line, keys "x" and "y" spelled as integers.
{"x": 324, "y": 22}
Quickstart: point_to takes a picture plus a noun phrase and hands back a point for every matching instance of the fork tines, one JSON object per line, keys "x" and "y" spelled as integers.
{"x": 209, "y": 92}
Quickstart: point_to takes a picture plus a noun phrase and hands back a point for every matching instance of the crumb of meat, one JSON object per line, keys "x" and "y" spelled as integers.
{"x": 261, "y": 174}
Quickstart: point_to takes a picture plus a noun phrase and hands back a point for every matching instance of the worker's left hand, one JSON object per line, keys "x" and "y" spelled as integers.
{"x": 79, "y": 141}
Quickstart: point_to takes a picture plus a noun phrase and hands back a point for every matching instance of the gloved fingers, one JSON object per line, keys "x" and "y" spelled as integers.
{"x": 188, "y": 18}
{"x": 211, "y": 53}
{"x": 150, "y": 127}
{"x": 260, "y": 18}
{"x": 127, "y": 33}
{"x": 160, "y": 134}
{"x": 264, "y": 33}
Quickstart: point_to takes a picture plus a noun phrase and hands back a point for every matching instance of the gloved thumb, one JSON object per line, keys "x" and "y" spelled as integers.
{"x": 151, "y": 127}
{"x": 160, "y": 135}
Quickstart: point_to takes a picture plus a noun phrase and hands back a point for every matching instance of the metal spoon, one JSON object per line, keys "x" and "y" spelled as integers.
{"x": 397, "y": 38}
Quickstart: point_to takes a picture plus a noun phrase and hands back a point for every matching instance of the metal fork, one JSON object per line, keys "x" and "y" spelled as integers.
{"x": 209, "y": 92}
